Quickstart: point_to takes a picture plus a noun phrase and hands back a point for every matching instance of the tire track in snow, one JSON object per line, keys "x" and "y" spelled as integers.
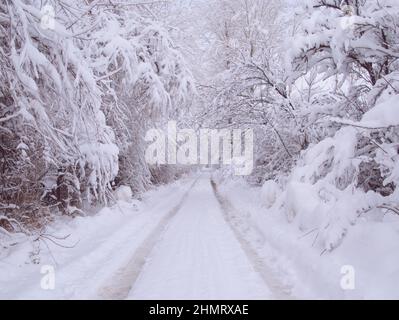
{"x": 278, "y": 289}
{"x": 119, "y": 286}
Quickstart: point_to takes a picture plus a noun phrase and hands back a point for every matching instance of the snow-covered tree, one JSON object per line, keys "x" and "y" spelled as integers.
{"x": 80, "y": 83}
{"x": 351, "y": 48}
{"x": 146, "y": 81}
{"x": 250, "y": 86}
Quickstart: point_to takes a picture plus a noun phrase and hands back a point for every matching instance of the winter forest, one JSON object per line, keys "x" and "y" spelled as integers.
{"x": 85, "y": 215}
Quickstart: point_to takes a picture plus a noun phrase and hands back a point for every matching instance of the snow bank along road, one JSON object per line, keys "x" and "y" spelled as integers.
{"x": 194, "y": 253}
{"x": 181, "y": 245}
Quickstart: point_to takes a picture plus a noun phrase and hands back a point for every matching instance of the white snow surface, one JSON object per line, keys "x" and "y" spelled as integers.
{"x": 123, "y": 193}
{"x": 385, "y": 114}
{"x": 199, "y": 257}
{"x": 370, "y": 246}
{"x": 189, "y": 240}
{"x": 101, "y": 245}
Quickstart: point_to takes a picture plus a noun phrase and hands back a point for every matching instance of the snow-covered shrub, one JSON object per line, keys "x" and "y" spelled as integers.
{"x": 269, "y": 192}
{"x": 302, "y": 204}
{"x": 123, "y": 193}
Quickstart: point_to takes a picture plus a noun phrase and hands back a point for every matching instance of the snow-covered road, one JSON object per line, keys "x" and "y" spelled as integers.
{"x": 199, "y": 257}
{"x": 178, "y": 245}
{"x": 193, "y": 239}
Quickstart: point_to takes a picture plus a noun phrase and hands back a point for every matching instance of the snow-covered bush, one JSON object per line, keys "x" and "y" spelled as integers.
{"x": 123, "y": 193}
{"x": 269, "y": 192}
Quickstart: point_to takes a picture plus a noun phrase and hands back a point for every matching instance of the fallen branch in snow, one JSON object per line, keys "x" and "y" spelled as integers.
{"x": 389, "y": 208}
{"x": 308, "y": 233}
{"x": 49, "y": 237}
{"x": 43, "y": 237}
{"x": 382, "y": 207}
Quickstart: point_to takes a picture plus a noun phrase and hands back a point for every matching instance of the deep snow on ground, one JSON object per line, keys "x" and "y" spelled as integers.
{"x": 105, "y": 242}
{"x": 195, "y": 240}
{"x": 371, "y": 247}
{"x": 198, "y": 257}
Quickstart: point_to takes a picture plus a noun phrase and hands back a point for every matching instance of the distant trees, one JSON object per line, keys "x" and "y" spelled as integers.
{"x": 250, "y": 87}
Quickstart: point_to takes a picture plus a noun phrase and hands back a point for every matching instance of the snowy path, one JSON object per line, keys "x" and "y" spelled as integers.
{"x": 198, "y": 256}
{"x": 181, "y": 244}
{"x": 102, "y": 244}
{"x": 121, "y": 283}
